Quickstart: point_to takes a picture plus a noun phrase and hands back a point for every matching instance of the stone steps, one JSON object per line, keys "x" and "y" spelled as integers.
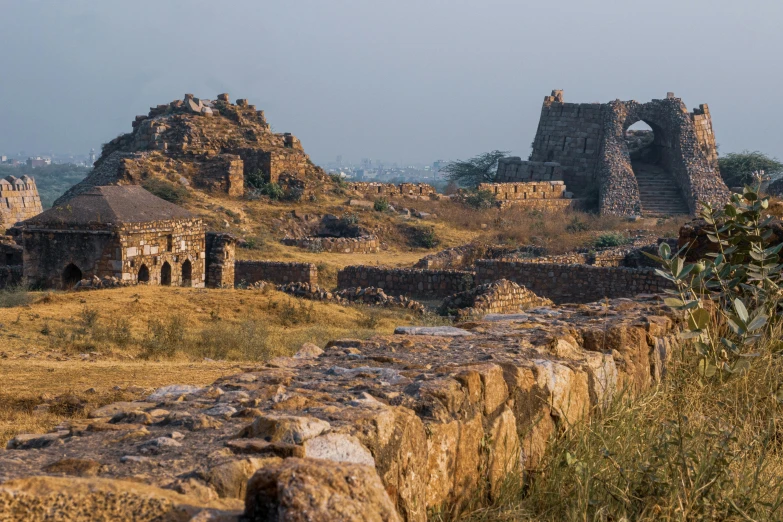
{"x": 658, "y": 191}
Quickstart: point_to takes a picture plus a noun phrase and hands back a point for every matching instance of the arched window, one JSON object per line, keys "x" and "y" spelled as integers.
{"x": 165, "y": 274}
{"x": 144, "y": 274}
{"x": 187, "y": 273}
{"x": 71, "y": 275}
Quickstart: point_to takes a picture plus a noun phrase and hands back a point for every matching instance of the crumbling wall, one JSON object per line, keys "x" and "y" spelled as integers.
{"x": 249, "y": 272}
{"x": 342, "y": 245}
{"x": 220, "y": 259}
{"x": 572, "y": 283}
{"x": 19, "y": 200}
{"x": 390, "y": 190}
{"x": 512, "y": 170}
{"x": 497, "y": 297}
{"x": 410, "y": 282}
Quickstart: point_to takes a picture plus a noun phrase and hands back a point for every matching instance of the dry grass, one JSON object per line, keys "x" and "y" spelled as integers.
{"x": 63, "y": 344}
{"x": 687, "y": 450}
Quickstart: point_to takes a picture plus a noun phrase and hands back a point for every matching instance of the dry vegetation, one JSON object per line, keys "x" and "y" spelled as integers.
{"x": 78, "y": 346}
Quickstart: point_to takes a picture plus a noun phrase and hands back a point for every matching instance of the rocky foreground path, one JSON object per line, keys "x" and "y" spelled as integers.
{"x": 379, "y": 430}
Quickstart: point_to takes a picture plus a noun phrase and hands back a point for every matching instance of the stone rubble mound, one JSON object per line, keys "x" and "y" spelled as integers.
{"x": 381, "y": 429}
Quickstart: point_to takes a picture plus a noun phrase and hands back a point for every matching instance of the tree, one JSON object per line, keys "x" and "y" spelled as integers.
{"x": 479, "y": 169}
{"x": 737, "y": 168}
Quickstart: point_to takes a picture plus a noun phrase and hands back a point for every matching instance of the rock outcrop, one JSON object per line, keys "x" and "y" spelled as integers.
{"x": 380, "y": 429}
{"x": 209, "y": 145}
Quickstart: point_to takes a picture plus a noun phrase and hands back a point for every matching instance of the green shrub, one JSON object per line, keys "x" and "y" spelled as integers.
{"x": 480, "y": 199}
{"x": 166, "y": 190}
{"x": 577, "y": 225}
{"x": 737, "y": 169}
{"x": 422, "y": 237}
{"x": 381, "y": 205}
{"x": 255, "y": 179}
{"x": 610, "y": 239}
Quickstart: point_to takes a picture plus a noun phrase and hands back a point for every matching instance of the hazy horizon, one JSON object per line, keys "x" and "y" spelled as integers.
{"x": 408, "y": 81}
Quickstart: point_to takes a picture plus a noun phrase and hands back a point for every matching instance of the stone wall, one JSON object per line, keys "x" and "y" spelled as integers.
{"x": 512, "y": 169}
{"x": 572, "y": 283}
{"x": 341, "y": 245}
{"x": 390, "y": 190}
{"x": 221, "y": 173}
{"x": 498, "y": 297}
{"x": 10, "y": 276}
{"x": 410, "y": 282}
{"x": 221, "y": 258}
{"x": 523, "y": 193}
{"x": 10, "y": 253}
{"x": 19, "y": 200}
{"x": 249, "y": 272}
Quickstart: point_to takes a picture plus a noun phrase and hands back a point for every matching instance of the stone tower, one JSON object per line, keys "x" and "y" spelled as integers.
{"x": 18, "y": 201}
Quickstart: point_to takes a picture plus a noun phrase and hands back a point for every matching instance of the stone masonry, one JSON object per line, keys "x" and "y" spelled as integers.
{"x": 390, "y": 190}
{"x": 19, "y": 200}
{"x": 368, "y": 244}
{"x": 221, "y": 258}
{"x": 498, "y": 297}
{"x": 406, "y": 281}
{"x": 250, "y": 272}
{"x": 587, "y": 142}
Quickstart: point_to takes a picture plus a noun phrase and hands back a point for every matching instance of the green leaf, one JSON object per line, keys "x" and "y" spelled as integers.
{"x": 664, "y": 250}
{"x": 757, "y": 322}
{"x": 742, "y": 312}
{"x": 698, "y": 319}
{"x": 673, "y": 302}
{"x": 706, "y": 368}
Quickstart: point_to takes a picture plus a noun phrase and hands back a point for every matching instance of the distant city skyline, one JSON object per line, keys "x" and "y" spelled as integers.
{"x": 408, "y": 82}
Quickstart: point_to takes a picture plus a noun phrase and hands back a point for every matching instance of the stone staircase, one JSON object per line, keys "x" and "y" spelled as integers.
{"x": 658, "y": 190}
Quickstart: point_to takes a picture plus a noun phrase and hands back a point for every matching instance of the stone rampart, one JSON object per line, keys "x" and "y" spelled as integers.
{"x": 513, "y": 170}
{"x": 221, "y": 259}
{"x": 410, "y": 282}
{"x": 343, "y": 245}
{"x": 390, "y": 190}
{"x": 572, "y": 283}
{"x": 19, "y": 200}
{"x": 249, "y": 272}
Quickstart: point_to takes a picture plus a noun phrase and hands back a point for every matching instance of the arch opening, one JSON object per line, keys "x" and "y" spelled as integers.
{"x": 187, "y": 273}
{"x": 144, "y": 274}
{"x": 71, "y": 275}
{"x": 165, "y": 274}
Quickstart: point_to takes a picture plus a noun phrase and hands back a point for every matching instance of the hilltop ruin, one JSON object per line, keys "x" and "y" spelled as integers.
{"x": 209, "y": 145}
{"x": 589, "y": 146}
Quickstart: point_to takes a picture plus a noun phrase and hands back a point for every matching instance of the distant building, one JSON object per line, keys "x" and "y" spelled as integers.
{"x": 91, "y": 160}
{"x": 38, "y": 161}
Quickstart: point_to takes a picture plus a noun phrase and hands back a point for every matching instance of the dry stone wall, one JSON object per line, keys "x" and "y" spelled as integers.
{"x": 498, "y": 297}
{"x": 368, "y": 244}
{"x": 221, "y": 258}
{"x": 390, "y": 190}
{"x": 572, "y": 283}
{"x": 19, "y": 200}
{"x": 409, "y": 282}
{"x": 513, "y": 170}
{"x": 249, "y": 272}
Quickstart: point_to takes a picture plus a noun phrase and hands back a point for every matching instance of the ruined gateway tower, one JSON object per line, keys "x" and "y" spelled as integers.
{"x": 632, "y": 172}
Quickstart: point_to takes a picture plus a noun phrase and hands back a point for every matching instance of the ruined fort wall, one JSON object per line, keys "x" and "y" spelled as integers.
{"x": 340, "y": 245}
{"x": 19, "y": 200}
{"x": 409, "y": 282}
{"x": 390, "y": 190}
{"x": 513, "y": 169}
{"x": 572, "y": 283}
{"x": 249, "y": 272}
{"x": 570, "y": 134}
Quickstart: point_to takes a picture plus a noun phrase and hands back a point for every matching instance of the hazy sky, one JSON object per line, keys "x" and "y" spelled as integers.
{"x": 396, "y": 80}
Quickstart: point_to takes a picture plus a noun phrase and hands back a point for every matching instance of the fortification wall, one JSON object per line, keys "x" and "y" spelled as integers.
{"x": 572, "y": 283}
{"x": 341, "y": 245}
{"x": 390, "y": 190}
{"x": 19, "y": 200}
{"x": 221, "y": 258}
{"x": 513, "y": 169}
{"x": 249, "y": 272}
{"x": 410, "y": 282}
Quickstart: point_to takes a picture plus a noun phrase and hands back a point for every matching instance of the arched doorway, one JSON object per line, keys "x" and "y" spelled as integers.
{"x": 650, "y": 157}
{"x": 165, "y": 274}
{"x": 187, "y": 273}
{"x": 144, "y": 274}
{"x": 71, "y": 275}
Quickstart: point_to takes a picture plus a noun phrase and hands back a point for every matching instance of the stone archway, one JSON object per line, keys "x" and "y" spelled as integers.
{"x": 71, "y": 275}
{"x": 165, "y": 274}
{"x": 144, "y": 274}
{"x": 187, "y": 273}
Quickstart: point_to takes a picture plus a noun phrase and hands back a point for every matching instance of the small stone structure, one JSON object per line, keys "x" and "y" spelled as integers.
{"x": 368, "y": 244}
{"x": 540, "y": 195}
{"x": 410, "y": 282}
{"x": 122, "y": 232}
{"x": 573, "y": 283}
{"x": 390, "y": 190}
{"x": 221, "y": 258}
{"x": 250, "y": 272}
{"x": 497, "y": 297}
{"x": 587, "y": 144}
{"x": 19, "y": 200}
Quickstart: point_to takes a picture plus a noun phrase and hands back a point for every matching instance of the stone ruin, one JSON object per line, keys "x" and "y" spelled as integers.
{"x": 19, "y": 200}
{"x": 589, "y": 147}
{"x": 212, "y": 145}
